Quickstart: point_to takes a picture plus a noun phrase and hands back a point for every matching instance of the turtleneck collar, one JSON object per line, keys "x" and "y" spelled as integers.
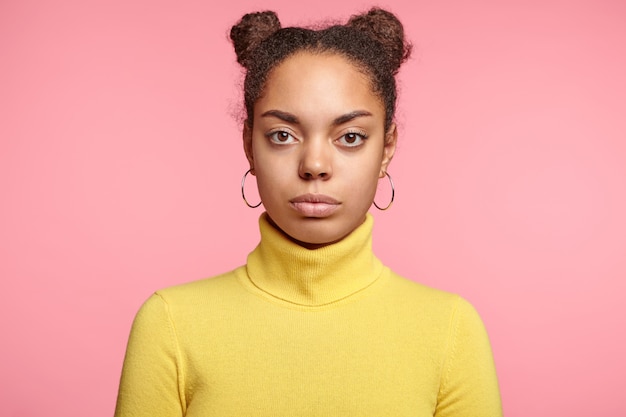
{"x": 313, "y": 277}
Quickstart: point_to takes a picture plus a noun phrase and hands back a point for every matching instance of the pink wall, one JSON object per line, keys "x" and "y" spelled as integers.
{"x": 120, "y": 164}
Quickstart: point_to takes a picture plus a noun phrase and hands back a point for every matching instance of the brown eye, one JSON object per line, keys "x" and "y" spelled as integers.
{"x": 352, "y": 139}
{"x": 281, "y": 137}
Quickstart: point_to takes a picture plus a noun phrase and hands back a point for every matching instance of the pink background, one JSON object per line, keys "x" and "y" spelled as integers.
{"x": 120, "y": 162}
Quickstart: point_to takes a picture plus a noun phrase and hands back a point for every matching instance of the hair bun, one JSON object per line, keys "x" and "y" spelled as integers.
{"x": 384, "y": 27}
{"x": 250, "y": 31}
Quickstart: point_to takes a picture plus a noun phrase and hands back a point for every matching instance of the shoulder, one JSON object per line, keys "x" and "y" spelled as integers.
{"x": 203, "y": 289}
{"x": 404, "y": 290}
{"x": 201, "y": 297}
{"x": 422, "y": 302}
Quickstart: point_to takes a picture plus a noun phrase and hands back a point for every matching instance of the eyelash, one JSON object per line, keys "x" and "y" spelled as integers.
{"x": 361, "y": 135}
{"x": 360, "y": 138}
{"x": 272, "y": 136}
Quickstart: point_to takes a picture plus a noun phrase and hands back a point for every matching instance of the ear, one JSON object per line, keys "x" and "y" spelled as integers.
{"x": 391, "y": 139}
{"x": 247, "y": 144}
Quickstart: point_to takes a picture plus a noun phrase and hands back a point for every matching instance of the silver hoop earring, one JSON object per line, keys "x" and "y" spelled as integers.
{"x": 393, "y": 194}
{"x": 243, "y": 193}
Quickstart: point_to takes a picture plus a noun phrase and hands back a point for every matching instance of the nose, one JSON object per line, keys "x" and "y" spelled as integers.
{"x": 316, "y": 160}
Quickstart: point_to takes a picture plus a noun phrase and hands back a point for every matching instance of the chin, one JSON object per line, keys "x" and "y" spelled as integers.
{"x": 314, "y": 232}
{"x": 317, "y": 238}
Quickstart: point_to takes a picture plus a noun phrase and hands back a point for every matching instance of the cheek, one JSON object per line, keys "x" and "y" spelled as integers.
{"x": 271, "y": 178}
{"x": 264, "y": 166}
{"x": 366, "y": 166}
{"x": 362, "y": 181}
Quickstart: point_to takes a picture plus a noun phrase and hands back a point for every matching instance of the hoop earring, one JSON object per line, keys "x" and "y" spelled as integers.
{"x": 393, "y": 193}
{"x": 243, "y": 193}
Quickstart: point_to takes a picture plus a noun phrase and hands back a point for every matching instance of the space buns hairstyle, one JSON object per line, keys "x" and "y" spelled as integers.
{"x": 250, "y": 31}
{"x": 373, "y": 41}
{"x": 385, "y": 28}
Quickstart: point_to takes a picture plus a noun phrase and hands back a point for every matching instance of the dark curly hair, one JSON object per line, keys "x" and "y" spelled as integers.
{"x": 374, "y": 42}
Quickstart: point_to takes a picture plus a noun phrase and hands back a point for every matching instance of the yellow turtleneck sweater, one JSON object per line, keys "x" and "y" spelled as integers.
{"x": 299, "y": 332}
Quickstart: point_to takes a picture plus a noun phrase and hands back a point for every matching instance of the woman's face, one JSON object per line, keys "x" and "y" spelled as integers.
{"x": 318, "y": 147}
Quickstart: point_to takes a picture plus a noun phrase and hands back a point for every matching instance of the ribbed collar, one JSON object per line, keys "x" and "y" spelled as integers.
{"x": 313, "y": 277}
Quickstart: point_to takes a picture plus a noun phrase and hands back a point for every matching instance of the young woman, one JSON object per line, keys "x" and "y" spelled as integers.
{"x": 313, "y": 324}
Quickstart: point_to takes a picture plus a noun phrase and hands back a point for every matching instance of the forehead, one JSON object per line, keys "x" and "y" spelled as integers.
{"x": 318, "y": 82}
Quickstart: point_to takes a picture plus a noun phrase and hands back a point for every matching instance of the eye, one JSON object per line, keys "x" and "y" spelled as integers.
{"x": 352, "y": 139}
{"x": 281, "y": 137}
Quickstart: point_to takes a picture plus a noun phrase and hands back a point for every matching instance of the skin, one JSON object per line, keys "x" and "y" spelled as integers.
{"x": 318, "y": 146}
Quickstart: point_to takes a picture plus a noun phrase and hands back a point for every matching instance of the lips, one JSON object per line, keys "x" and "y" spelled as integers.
{"x": 314, "y": 205}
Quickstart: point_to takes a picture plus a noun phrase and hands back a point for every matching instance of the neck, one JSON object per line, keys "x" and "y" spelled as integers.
{"x": 295, "y": 273}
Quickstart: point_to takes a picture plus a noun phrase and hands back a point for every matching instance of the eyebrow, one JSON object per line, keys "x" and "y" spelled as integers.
{"x": 291, "y": 118}
{"x": 282, "y": 115}
{"x": 350, "y": 116}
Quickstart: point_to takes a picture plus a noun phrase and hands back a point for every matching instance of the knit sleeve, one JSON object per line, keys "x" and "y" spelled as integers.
{"x": 469, "y": 386}
{"x": 151, "y": 382}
